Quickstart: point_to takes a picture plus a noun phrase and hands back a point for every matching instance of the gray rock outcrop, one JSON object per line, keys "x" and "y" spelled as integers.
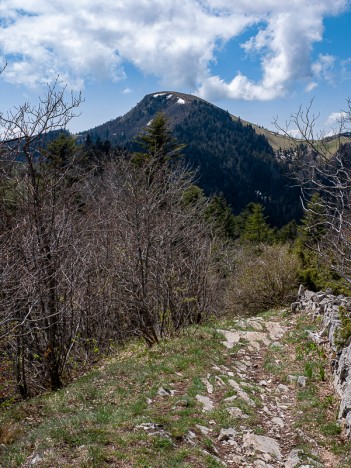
{"x": 327, "y": 306}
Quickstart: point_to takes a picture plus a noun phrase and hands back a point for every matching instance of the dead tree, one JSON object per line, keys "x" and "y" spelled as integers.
{"x": 323, "y": 165}
{"x": 163, "y": 257}
{"x": 38, "y": 243}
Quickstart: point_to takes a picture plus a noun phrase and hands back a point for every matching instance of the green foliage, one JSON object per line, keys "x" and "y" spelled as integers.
{"x": 9, "y": 197}
{"x": 343, "y": 334}
{"x": 288, "y": 233}
{"x": 313, "y": 359}
{"x": 61, "y": 150}
{"x": 220, "y": 214}
{"x": 313, "y": 225}
{"x": 235, "y": 160}
{"x": 314, "y": 273}
{"x": 158, "y": 141}
{"x": 265, "y": 278}
{"x": 193, "y": 195}
{"x": 256, "y": 229}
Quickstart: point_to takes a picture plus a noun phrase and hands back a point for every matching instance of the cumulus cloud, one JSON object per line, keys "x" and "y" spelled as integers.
{"x": 323, "y": 67}
{"x": 311, "y": 86}
{"x": 295, "y": 133}
{"x": 176, "y": 41}
{"x": 336, "y": 118}
{"x": 337, "y": 122}
{"x": 284, "y": 44}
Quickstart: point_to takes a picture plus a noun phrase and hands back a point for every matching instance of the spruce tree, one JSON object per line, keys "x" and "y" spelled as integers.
{"x": 157, "y": 141}
{"x": 256, "y": 229}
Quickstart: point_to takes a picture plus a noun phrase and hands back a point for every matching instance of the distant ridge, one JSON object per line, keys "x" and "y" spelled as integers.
{"x": 232, "y": 156}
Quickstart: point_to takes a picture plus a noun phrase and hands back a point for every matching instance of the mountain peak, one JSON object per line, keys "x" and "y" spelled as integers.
{"x": 174, "y": 97}
{"x": 230, "y": 155}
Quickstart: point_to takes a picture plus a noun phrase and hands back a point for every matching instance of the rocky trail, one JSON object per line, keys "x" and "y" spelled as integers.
{"x": 275, "y": 445}
{"x": 256, "y": 348}
{"x": 246, "y": 392}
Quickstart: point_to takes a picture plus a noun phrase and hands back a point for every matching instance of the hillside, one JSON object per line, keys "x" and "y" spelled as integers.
{"x": 276, "y": 140}
{"x": 231, "y": 156}
{"x": 224, "y": 395}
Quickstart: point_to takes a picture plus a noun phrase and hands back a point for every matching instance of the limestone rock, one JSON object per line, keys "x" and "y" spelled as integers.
{"x": 153, "y": 429}
{"x": 263, "y": 444}
{"x": 203, "y": 429}
{"x": 263, "y": 383}
{"x": 241, "y": 393}
{"x": 255, "y": 338}
{"x": 236, "y": 412}
{"x": 231, "y": 338}
{"x": 278, "y": 422}
{"x": 231, "y": 398}
{"x": 293, "y": 459}
{"x": 301, "y": 381}
{"x": 190, "y": 437}
{"x": 275, "y": 330}
{"x": 206, "y": 402}
{"x": 36, "y": 459}
{"x": 208, "y": 386}
{"x": 227, "y": 434}
{"x": 295, "y": 307}
{"x": 165, "y": 392}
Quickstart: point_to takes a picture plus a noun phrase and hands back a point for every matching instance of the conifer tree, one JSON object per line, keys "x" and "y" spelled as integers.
{"x": 313, "y": 223}
{"x": 219, "y": 212}
{"x": 314, "y": 273}
{"x": 256, "y": 229}
{"x": 157, "y": 141}
{"x": 60, "y": 152}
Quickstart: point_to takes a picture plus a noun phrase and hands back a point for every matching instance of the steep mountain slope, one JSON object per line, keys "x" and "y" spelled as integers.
{"x": 230, "y": 156}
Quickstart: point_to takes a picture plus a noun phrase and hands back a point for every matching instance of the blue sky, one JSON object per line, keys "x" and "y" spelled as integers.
{"x": 259, "y": 60}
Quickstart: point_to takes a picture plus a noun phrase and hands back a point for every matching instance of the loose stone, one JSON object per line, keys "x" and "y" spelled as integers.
{"x": 207, "y": 403}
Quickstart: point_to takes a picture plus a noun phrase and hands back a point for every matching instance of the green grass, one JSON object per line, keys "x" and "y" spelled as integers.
{"x": 316, "y": 411}
{"x": 278, "y": 141}
{"x": 92, "y": 421}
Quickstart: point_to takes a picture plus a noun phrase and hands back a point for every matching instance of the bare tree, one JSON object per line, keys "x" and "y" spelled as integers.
{"x": 89, "y": 258}
{"x": 323, "y": 165}
{"x": 163, "y": 258}
{"x": 37, "y": 240}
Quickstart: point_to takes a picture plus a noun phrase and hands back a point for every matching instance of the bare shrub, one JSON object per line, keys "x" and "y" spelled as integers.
{"x": 322, "y": 166}
{"x": 265, "y": 277}
{"x": 93, "y": 257}
{"x": 163, "y": 258}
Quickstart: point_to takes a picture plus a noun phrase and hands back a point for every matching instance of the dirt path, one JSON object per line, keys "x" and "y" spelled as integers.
{"x": 264, "y": 380}
{"x": 251, "y": 392}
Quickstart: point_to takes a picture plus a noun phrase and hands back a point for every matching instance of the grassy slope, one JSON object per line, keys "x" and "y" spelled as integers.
{"x": 278, "y": 141}
{"x": 93, "y": 421}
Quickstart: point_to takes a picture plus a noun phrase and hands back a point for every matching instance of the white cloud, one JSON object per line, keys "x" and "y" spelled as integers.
{"x": 311, "y": 86}
{"x": 337, "y": 122}
{"x": 176, "y": 41}
{"x": 295, "y": 133}
{"x": 323, "y": 67}
{"x": 336, "y": 118}
{"x": 284, "y": 45}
